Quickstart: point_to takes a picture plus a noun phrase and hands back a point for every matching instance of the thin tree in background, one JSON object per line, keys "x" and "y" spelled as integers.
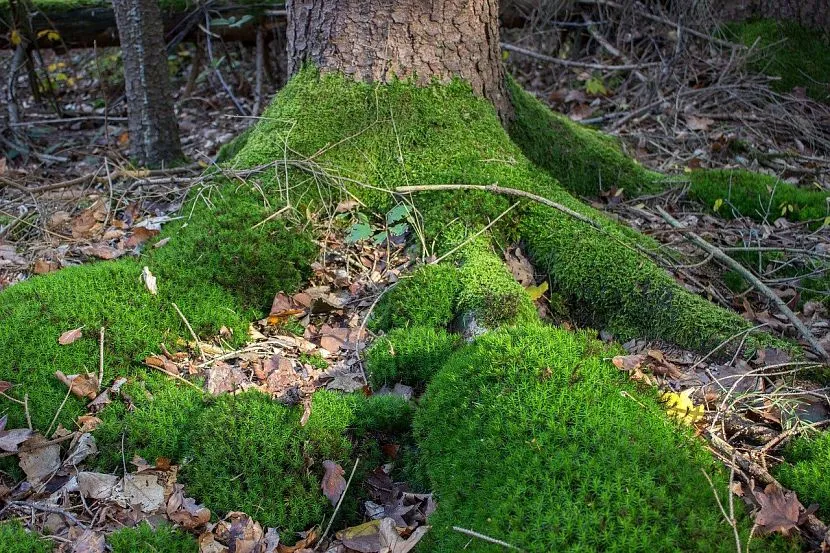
{"x": 153, "y": 130}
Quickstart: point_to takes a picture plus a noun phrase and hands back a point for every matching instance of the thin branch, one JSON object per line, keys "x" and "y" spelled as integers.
{"x": 571, "y": 63}
{"x": 483, "y": 537}
{"x": 192, "y": 333}
{"x": 339, "y": 501}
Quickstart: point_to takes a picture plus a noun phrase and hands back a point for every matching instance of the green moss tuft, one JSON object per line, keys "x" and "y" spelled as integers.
{"x": 488, "y": 290}
{"x": 408, "y": 355}
{"x": 427, "y": 298}
{"x": 584, "y": 161}
{"x": 145, "y": 539}
{"x": 805, "y": 470}
{"x": 16, "y": 539}
{"x": 799, "y": 57}
{"x": 525, "y": 437}
{"x": 760, "y": 197}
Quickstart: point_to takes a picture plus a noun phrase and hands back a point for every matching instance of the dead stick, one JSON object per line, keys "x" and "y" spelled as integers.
{"x": 752, "y": 279}
{"x": 177, "y": 377}
{"x": 483, "y": 537}
{"x": 101, "y": 360}
{"x": 192, "y": 333}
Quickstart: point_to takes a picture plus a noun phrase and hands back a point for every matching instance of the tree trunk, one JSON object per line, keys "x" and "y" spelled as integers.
{"x": 379, "y": 40}
{"x": 154, "y": 133}
{"x": 807, "y": 13}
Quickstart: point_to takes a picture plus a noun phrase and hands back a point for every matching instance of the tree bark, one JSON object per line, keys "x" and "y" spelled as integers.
{"x": 807, "y": 13}
{"x": 423, "y": 40}
{"x": 153, "y": 130}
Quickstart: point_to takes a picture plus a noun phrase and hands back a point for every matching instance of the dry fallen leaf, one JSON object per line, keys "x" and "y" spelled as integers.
{"x": 42, "y": 462}
{"x": 149, "y": 280}
{"x": 11, "y": 439}
{"x": 70, "y": 336}
{"x": 681, "y": 407}
{"x": 184, "y": 510}
{"x": 307, "y": 541}
{"x": 779, "y": 511}
{"x": 697, "y": 123}
{"x": 333, "y": 484}
{"x": 82, "y": 385}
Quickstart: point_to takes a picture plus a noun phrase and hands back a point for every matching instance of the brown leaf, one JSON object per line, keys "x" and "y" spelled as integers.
{"x": 4, "y": 385}
{"x": 309, "y": 540}
{"x": 82, "y": 385}
{"x": 697, "y": 123}
{"x": 184, "y": 510}
{"x": 162, "y": 363}
{"x": 10, "y": 440}
{"x": 88, "y": 423}
{"x": 102, "y": 251}
{"x": 139, "y": 236}
{"x": 70, "y": 336}
{"x": 40, "y": 463}
{"x": 333, "y": 484}
{"x": 86, "y": 541}
{"x": 41, "y": 267}
{"x": 779, "y": 511}
{"x": 628, "y": 362}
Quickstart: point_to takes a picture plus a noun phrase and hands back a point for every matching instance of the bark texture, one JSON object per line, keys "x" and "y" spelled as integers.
{"x": 154, "y": 133}
{"x": 378, "y": 40}
{"x": 808, "y": 13}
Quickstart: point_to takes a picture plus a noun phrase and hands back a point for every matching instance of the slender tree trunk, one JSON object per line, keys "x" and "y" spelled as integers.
{"x": 808, "y": 13}
{"x": 379, "y": 40}
{"x": 154, "y": 133}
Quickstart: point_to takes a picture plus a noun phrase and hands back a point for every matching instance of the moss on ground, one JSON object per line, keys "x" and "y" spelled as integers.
{"x": 16, "y": 539}
{"x": 410, "y": 355}
{"x": 760, "y": 197}
{"x": 525, "y": 437}
{"x": 145, "y": 539}
{"x": 216, "y": 268}
{"x": 805, "y": 470}
{"x": 584, "y": 161}
{"x": 799, "y": 57}
{"x": 426, "y": 298}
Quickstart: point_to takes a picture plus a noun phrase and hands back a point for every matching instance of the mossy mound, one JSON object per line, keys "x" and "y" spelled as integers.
{"x": 217, "y": 268}
{"x": 16, "y": 539}
{"x": 411, "y": 356}
{"x": 805, "y": 470}
{"x": 145, "y": 539}
{"x": 799, "y": 57}
{"x": 760, "y": 197}
{"x": 404, "y": 304}
{"x": 526, "y": 437}
{"x": 584, "y": 161}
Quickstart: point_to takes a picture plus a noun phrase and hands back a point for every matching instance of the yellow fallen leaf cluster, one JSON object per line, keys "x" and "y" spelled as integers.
{"x": 681, "y": 407}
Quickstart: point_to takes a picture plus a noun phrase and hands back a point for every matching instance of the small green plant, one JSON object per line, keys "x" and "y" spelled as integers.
{"x": 16, "y": 539}
{"x": 146, "y": 539}
{"x": 395, "y": 226}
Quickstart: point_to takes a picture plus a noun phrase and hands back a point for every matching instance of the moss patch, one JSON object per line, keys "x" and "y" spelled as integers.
{"x": 426, "y": 298}
{"x": 799, "y": 57}
{"x": 145, "y": 539}
{"x": 16, "y": 539}
{"x": 216, "y": 268}
{"x": 805, "y": 470}
{"x": 409, "y": 355}
{"x": 525, "y": 437}
{"x": 760, "y": 197}
{"x": 584, "y": 161}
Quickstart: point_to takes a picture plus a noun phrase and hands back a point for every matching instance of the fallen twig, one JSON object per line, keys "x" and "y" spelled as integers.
{"x": 571, "y": 63}
{"x": 474, "y": 534}
{"x": 192, "y": 333}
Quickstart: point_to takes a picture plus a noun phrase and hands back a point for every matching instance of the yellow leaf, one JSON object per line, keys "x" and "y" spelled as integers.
{"x": 53, "y": 35}
{"x": 681, "y": 407}
{"x": 15, "y": 37}
{"x": 536, "y": 292}
{"x": 718, "y": 205}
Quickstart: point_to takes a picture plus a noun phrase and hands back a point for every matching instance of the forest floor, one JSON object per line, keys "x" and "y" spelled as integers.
{"x": 73, "y": 198}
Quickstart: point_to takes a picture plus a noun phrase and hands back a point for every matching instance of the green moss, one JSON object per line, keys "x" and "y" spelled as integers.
{"x": 584, "y": 161}
{"x": 525, "y": 437}
{"x": 408, "y": 355}
{"x": 426, "y": 298}
{"x": 799, "y": 57}
{"x": 145, "y": 539}
{"x": 217, "y": 268}
{"x": 250, "y": 454}
{"x": 805, "y": 470}
{"x": 760, "y": 197}
{"x": 488, "y": 290}
{"x": 16, "y": 539}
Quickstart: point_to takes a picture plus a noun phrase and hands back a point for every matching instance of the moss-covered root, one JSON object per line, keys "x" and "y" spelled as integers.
{"x": 584, "y": 161}
{"x": 526, "y": 437}
{"x": 489, "y": 294}
{"x": 409, "y": 355}
{"x": 16, "y": 539}
{"x": 427, "y": 298}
